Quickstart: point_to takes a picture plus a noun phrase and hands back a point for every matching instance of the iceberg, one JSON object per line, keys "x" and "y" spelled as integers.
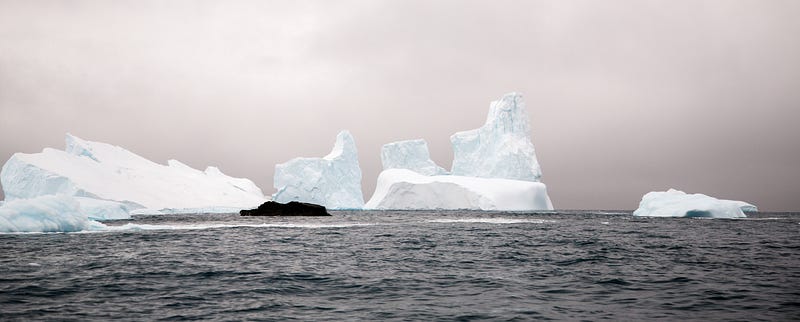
{"x": 399, "y": 189}
{"x": 676, "y": 203}
{"x": 412, "y": 155}
{"x": 50, "y": 213}
{"x": 501, "y": 148}
{"x": 109, "y": 180}
{"x": 494, "y": 168}
{"x": 333, "y": 181}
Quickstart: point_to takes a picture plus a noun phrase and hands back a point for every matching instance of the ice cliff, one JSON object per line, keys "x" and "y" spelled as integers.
{"x": 333, "y": 181}
{"x": 676, "y": 203}
{"x": 501, "y": 148}
{"x": 412, "y": 155}
{"x": 111, "y": 181}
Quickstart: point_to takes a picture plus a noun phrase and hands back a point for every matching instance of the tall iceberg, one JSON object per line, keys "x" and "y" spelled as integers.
{"x": 501, "y": 148}
{"x": 333, "y": 181}
{"x": 410, "y": 154}
{"x": 676, "y": 203}
{"x": 105, "y": 176}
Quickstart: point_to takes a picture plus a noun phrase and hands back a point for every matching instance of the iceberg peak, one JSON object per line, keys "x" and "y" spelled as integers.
{"x": 501, "y": 148}
{"x": 78, "y": 147}
{"x": 508, "y": 116}
{"x": 345, "y": 147}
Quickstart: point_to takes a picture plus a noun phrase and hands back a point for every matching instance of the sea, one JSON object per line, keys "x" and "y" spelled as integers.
{"x": 408, "y": 266}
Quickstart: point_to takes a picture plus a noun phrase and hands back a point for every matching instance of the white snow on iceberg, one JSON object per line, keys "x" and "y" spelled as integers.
{"x": 410, "y": 154}
{"x": 405, "y": 189}
{"x": 109, "y": 173}
{"x": 675, "y": 203}
{"x": 501, "y": 148}
{"x": 52, "y": 213}
{"x": 333, "y": 181}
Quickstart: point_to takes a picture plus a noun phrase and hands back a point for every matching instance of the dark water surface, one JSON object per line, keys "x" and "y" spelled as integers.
{"x": 409, "y": 266}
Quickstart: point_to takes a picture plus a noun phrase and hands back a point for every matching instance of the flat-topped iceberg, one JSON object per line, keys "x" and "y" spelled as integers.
{"x": 412, "y": 155}
{"x": 675, "y": 203}
{"x": 107, "y": 176}
{"x": 51, "y": 213}
{"x": 406, "y": 189}
{"x": 501, "y": 148}
{"x": 333, "y": 181}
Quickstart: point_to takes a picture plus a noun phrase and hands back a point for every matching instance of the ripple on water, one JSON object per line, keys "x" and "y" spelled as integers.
{"x": 407, "y": 266}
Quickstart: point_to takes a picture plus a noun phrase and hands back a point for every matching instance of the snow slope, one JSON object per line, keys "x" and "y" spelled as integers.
{"x": 105, "y": 172}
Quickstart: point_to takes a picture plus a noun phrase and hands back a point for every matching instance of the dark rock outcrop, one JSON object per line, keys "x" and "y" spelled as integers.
{"x": 292, "y": 208}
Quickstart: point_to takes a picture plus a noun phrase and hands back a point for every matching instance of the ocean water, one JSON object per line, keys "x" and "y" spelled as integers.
{"x": 579, "y": 265}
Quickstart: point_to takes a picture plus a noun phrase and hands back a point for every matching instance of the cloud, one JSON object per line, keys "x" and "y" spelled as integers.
{"x": 625, "y": 96}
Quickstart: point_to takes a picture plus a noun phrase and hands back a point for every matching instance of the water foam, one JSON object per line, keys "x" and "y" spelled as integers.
{"x": 492, "y": 221}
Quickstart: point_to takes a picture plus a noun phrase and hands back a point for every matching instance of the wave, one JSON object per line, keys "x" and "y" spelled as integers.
{"x": 143, "y": 227}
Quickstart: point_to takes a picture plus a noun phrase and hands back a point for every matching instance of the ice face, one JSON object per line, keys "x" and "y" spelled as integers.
{"x": 109, "y": 173}
{"x": 501, "y": 148}
{"x": 405, "y": 189}
{"x": 52, "y": 213}
{"x": 412, "y": 155}
{"x": 333, "y": 181}
{"x": 101, "y": 210}
{"x": 675, "y": 203}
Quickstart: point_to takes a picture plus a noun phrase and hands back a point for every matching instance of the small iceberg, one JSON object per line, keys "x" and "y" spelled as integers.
{"x": 676, "y": 203}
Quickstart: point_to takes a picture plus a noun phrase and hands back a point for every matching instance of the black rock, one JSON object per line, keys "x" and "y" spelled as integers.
{"x": 293, "y": 208}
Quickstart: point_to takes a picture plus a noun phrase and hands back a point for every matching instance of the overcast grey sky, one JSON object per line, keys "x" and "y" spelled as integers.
{"x": 625, "y": 97}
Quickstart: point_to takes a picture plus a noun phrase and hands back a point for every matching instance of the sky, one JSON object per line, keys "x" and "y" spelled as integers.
{"x": 625, "y": 97}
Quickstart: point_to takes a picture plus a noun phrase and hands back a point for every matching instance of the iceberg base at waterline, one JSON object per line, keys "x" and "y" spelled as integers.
{"x": 676, "y": 203}
{"x": 51, "y": 213}
{"x": 402, "y": 189}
